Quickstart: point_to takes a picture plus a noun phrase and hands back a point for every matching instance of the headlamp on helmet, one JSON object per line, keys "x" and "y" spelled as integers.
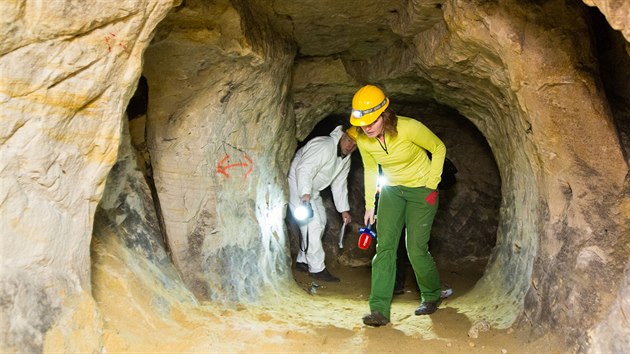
{"x": 367, "y": 105}
{"x": 357, "y": 113}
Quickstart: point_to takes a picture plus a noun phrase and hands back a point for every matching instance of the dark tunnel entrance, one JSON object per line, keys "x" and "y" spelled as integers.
{"x": 465, "y": 227}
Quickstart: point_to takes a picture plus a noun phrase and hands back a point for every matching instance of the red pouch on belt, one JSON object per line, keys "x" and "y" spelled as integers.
{"x": 431, "y": 198}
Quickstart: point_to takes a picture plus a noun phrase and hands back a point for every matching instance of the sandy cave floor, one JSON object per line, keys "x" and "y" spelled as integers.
{"x": 296, "y": 322}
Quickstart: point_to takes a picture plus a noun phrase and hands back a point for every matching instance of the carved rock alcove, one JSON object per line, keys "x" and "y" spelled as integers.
{"x": 175, "y": 218}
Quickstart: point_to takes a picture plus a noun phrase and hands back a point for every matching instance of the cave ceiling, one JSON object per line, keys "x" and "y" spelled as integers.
{"x": 354, "y": 30}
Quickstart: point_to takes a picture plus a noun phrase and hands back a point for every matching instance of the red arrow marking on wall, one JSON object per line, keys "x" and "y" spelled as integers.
{"x": 223, "y": 169}
{"x": 251, "y": 167}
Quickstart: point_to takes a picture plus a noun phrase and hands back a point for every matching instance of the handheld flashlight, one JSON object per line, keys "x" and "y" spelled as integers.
{"x": 366, "y": 235}
{"x": 303, "y": 212}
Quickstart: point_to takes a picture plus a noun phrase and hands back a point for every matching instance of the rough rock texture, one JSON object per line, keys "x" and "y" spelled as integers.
{"x": 219, "y": 132}
{"x": 320, "y": 86}
{"x": 127, "y": 214}
{"x": 614, "y": 65}
{"x": 523, "y": 73}
{"x": 613, "y": 334}
{"x": 233, "y": 84}
{"x": 67, "y": 69}
{"x": 617, "y": 13}
{"x": 128, "y": 252}
{"x": 334, "y": 32}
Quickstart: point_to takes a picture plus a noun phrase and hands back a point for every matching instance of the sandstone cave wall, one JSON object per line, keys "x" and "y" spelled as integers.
{"x": 130, "y": 261}
{"x": 529, "y": 74}
{"x": 68, "y": 70}
{"x": 526, "y": 75}
{"x": 219, "y": 133}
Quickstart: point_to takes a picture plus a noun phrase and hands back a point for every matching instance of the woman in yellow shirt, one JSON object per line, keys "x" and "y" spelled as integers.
{"x": 409, "y": 198}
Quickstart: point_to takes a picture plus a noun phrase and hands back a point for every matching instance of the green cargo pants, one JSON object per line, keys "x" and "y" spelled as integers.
{"x": 400, "y": 206}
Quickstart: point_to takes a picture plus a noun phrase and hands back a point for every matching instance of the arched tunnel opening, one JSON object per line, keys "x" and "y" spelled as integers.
{"x": 484, "y": 251}
{"x": 464, "y": 236}
{"x": 465, "y": 227}
{"x": 157, "y": 221}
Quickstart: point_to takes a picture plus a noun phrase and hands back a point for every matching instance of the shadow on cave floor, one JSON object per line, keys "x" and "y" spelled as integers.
{"x": 355, "y": 281}
{"x": 141, "y": 315}
{"x": 449, "y": 330}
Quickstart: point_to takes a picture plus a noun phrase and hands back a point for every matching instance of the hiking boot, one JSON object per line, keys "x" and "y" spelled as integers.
{"x": 324, "y": 275}
{"x": 301, "y": 267}
{"x": 375, "y": 319}
{"x": 427, "y": 307}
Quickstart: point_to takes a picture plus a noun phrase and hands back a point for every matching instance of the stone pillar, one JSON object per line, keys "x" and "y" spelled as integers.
{"x": 220, "y": 134}
{"x": 67, "y": 70}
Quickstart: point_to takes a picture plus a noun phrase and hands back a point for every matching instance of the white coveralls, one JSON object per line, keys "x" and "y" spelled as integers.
{"x": 315, "y": 167}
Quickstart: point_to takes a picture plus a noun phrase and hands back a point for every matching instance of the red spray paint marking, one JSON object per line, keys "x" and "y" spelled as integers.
{"x": 222, "y": 168}
{"x": 110, "y": 40}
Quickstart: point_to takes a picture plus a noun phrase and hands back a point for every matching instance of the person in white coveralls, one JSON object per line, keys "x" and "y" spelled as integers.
{"x": 324, "y": 161}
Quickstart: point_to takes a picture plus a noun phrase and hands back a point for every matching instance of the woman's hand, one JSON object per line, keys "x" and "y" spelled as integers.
{"x": 368, "y": 219}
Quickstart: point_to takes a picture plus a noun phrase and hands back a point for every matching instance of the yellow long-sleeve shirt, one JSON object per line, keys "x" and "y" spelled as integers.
{"x": 405, "y": 163}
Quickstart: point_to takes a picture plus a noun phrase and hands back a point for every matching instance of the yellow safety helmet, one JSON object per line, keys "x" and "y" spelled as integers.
{"x": 353, "y": 133}
{"x": 367, "y": 105}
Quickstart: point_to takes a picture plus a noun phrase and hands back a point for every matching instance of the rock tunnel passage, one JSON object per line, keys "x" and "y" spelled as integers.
{"x": 465, "y": 227}
{"x": 175, "y": 219}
